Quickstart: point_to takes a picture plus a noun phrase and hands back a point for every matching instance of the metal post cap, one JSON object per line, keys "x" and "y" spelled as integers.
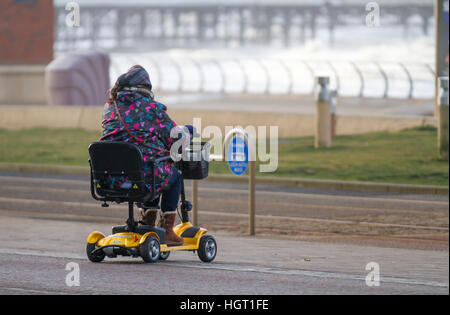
{"x": 443, "y": 83}
{"x": 323, "y": 80}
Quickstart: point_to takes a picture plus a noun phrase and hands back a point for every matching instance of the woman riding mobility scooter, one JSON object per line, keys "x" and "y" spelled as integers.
{"x": 110, "y": 160}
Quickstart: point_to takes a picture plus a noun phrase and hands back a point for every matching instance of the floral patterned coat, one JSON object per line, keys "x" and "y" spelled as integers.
{"x": 148, "y": 121}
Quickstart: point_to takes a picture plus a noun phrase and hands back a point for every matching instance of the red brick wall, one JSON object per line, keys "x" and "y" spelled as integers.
{"x": 26, "y": 32}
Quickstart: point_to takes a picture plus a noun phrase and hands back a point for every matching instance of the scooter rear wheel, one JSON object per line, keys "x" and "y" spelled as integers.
{"x": 97, "y": 257}
{"x": 150, "y": 250}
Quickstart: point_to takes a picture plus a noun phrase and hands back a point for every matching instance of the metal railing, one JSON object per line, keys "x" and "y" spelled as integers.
{"x": 122, "y": 25}
{"x": 276, "y": 76}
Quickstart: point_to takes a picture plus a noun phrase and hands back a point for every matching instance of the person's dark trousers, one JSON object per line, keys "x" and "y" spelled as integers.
{"x": 171, "y": 197}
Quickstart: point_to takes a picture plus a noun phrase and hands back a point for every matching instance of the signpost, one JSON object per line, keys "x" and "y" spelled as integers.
{"x": 240, "y": 158}
{"x": 237, "y": 155}
{"x": 195, "y": 202}
{"x": 240, "y": 153}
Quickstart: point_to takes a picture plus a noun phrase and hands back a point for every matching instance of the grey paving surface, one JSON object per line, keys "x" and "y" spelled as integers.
{"x": 44, "y": 226}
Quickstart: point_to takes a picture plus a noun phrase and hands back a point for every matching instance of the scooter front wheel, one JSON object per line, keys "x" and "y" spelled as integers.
{"x": 207, "y": 249}
{"x": 164, "y": 255}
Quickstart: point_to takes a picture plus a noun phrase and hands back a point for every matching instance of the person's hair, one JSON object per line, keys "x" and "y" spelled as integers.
{"x": 116, "y": 88}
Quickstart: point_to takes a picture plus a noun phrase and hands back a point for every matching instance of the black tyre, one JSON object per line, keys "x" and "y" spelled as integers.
{"x": 150, "y": 250}
{"x": 97, "y": 257}
{"x": 207, "y": 249}
{"x": 164, "y": 255}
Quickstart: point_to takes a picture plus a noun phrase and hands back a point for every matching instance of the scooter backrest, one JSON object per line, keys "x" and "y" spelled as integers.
{"x": 117, "y": 172}
{"x": 116, "y": 158}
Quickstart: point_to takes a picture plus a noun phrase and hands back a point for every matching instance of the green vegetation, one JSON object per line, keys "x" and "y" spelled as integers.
{"x": 46, "y": 146}
{"x": 406, "y": 157}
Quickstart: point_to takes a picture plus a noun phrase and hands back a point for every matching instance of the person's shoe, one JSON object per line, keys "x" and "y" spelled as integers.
{"x": 149, "y": 216}
{"x": 167, "y": 223}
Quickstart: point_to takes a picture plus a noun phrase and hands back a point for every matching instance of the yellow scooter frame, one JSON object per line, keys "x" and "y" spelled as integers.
{"x": 130, "y": 243}
{"x": 190, "y": 243}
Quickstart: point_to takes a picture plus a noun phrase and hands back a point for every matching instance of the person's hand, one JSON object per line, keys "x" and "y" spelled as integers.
{"x": 192, "y": 131}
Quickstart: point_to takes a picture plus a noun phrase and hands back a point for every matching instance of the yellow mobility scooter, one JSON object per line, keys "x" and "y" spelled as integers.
{"x": 111, "y": 161}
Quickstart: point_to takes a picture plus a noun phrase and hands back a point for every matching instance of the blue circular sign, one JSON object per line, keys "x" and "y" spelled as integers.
{"x": 238, "y": 156}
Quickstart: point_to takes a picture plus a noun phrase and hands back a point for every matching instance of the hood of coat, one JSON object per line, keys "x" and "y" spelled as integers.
{"x": 135, "y": 77}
